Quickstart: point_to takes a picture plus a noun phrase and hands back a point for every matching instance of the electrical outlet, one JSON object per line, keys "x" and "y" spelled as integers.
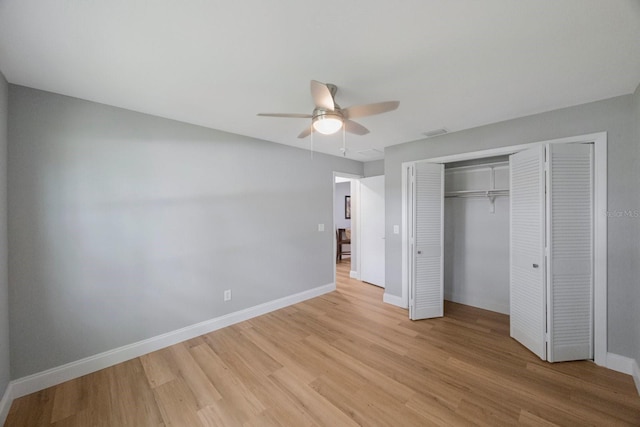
{"x": 320, "y": 227}
{"x": 396, "y": 229}
{"x": 227, "y": 295}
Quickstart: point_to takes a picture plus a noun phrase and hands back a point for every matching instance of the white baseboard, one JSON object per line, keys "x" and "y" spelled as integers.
{"x": 486, "y": 304}
{"x": 393, "y": 300}
{"x": 620, "y": 363}
{"x": 41, "y": 380}
{"x": 626, "y": 365}
{"x": 636, "y": 375}
{"x": 354, "y": 275}
{"x": 5, "y": 403}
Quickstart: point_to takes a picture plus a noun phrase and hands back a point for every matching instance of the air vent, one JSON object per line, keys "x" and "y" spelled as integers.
{"x": 372, "y": 152}
{"x": 435, "y": 132}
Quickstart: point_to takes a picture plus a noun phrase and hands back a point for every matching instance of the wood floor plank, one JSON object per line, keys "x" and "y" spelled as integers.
{"x": 321, "y": 410}
{"x": 203, "y": 390}
{"x": 275, "y": 349}
{"x": 435, "y": 413}
{"x": 344, "y": 358}
{"x": 158, "y": 368}
{"x": 219, "y": 414}
{"x": 68, "y": 399}
{"x": 32, "y": 410}
{"x": 177, "y": 404}
{"x": 528, "y": 419}
{"x": 407, "y": 372}
{"x": 355, "y": 365}
{"x": 236, "y": 396}
{"x": 134, "y": 403}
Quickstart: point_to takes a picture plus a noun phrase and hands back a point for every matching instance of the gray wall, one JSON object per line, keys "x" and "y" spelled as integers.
{"x": 612, "y": 115}
{"x": 374, "y": 168}
{"x": 124, "y": 226}
{"x": 476, "y": 253}
{"x": 635, "y": 180}
{"x": 342, "y": 189}
{"x": 4, "y": 297}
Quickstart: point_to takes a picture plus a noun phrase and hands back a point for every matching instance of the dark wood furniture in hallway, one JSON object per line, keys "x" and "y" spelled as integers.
{"x": 343, "y": 237}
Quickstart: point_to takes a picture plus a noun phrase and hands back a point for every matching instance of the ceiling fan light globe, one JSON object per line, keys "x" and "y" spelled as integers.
{"x": 327, "y": 125}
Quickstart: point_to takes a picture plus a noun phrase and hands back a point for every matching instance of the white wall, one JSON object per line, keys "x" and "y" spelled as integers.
{"x": 4, "y": 298}
{"x": 125, "y": 226}
{"x": 615, "y": 116}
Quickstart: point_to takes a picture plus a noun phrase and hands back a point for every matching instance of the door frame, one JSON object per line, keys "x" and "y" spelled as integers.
{"x": 599, "y": 141}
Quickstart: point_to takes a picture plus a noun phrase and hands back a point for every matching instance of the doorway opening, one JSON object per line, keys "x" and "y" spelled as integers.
{"x": 359, "y": 228}
{"x": 345, "y": 223}
{"x": 342, "y": 219}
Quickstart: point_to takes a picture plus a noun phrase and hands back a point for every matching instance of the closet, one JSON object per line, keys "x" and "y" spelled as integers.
{"x": 550, "y": 193}
{"x": 476, "y": 233}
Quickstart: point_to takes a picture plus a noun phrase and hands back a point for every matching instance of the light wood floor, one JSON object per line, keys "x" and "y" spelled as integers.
{"x": 342, "y": 359}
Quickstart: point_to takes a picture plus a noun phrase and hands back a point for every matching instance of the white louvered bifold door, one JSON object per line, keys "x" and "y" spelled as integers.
{"x": 570, "y": 243}
{"x": 527, "y": 247}
{"x": 426, "y": 298}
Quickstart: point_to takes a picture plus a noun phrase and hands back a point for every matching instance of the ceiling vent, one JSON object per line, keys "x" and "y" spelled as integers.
{"x": 372, "y": 152}
{"x": 435, "y": 132}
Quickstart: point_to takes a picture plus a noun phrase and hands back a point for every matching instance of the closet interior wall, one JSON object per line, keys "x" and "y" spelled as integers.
{"x": 476, "y": 234}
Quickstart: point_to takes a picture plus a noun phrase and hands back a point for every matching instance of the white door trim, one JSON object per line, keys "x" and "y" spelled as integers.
{"x": 599, "y": 141}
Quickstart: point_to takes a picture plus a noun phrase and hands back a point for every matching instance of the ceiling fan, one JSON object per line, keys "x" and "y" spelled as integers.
{"x": 328, "y": 117}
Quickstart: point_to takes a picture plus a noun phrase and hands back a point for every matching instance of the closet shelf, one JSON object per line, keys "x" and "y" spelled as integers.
{"x": 477, "y": 193}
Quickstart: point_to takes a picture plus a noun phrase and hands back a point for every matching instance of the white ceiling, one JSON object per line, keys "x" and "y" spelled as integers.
{"x": 455, "y": 64}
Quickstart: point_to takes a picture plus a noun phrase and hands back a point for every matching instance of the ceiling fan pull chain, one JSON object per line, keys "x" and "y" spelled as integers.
{"x": 344, "y": 141}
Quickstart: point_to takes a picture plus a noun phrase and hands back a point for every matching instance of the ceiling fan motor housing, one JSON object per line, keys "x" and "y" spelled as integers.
{"x": 326, "y": 121}
{"x": 320, "y": 114}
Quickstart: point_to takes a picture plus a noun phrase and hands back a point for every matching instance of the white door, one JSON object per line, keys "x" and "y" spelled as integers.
{"x": 372, "y": 241}
{"x": 426, "y": 231}
{"x": 570, "y": 243}
{"x": 527, "y": 249}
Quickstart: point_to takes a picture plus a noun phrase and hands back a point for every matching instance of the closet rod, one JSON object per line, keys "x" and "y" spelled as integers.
{"x": 476, "y": 193}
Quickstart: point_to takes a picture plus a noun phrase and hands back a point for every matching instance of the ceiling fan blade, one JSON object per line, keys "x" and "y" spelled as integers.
{"x": 322, "y": 96}
{"x": 305, "y": 133}
{"x": 370, "y": 109}
{"x": 353, "y": 127}
{"x": 292, "y": 115}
